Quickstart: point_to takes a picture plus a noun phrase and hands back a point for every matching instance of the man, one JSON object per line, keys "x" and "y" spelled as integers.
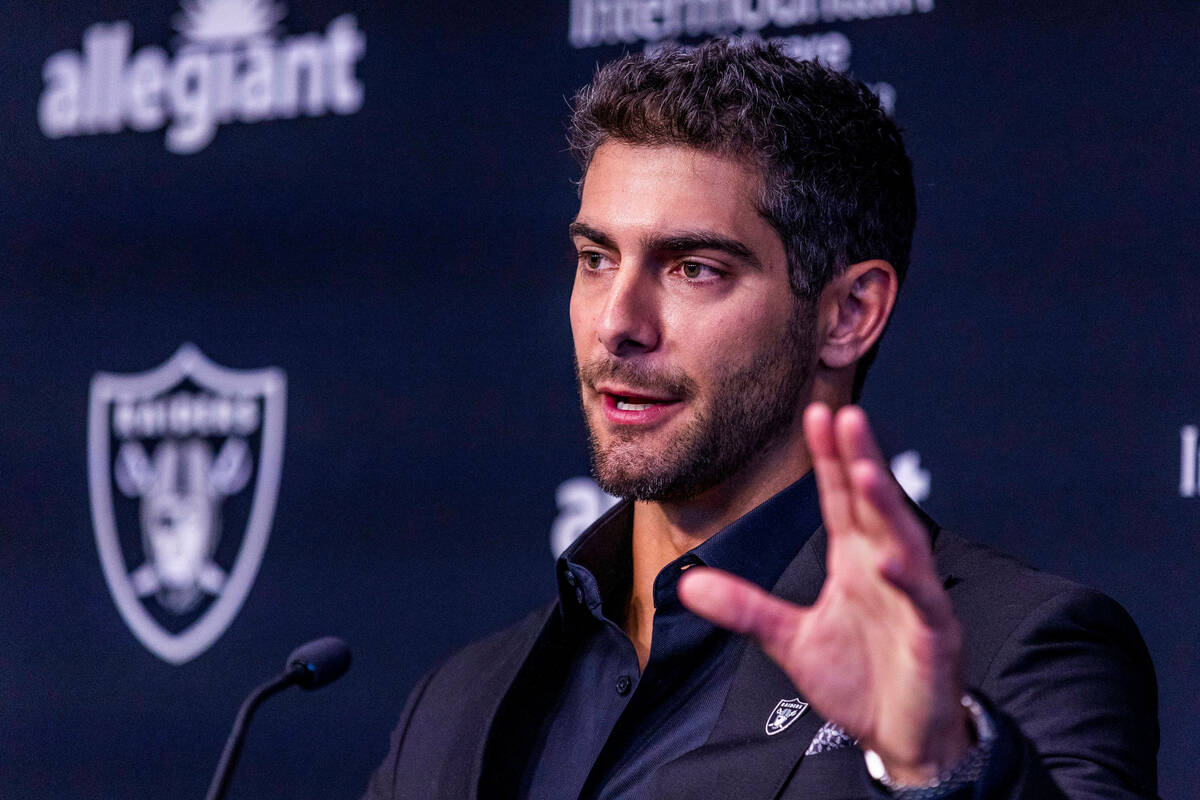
{"x": 743, "y": 229}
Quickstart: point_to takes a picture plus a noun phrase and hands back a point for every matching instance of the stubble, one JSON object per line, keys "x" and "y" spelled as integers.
{"x": 741, "y": 416}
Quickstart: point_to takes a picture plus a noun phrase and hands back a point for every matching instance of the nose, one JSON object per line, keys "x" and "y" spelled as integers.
{"x": 629, "y": 321}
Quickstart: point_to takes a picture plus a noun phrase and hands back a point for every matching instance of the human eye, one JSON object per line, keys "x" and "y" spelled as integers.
{"x": 699, "y": 272}
{"x": 591, "y": 260}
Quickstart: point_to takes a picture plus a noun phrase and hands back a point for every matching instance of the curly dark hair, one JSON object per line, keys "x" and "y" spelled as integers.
{"x": 837, "y": 185}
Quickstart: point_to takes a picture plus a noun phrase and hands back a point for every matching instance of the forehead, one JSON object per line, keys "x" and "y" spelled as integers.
{"x": 662, "y": 187}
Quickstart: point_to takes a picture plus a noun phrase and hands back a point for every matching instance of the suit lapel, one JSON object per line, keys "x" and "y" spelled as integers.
{"x": 758, "y": 686}
{"x": 766, "y": 764}
{"x": 492, "y": 688}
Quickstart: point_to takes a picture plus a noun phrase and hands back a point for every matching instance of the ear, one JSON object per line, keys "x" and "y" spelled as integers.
{"x": 854, "y": 309}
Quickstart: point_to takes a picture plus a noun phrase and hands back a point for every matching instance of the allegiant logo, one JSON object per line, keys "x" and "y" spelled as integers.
{"x": 230, "y": 65}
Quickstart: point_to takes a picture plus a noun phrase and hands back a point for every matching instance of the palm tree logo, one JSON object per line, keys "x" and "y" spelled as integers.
{"x": 217, "y": 21}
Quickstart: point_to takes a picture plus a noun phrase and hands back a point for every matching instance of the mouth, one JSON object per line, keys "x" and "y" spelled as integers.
{"x": 624, "y": 406}
{"x": 635, "y": 403}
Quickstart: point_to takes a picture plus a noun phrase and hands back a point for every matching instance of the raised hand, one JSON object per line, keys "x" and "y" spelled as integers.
{"x": 879, "y": 652}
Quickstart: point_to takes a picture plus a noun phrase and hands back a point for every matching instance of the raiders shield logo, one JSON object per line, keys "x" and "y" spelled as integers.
{"x": 183, "y": 471}
{"x": 786, "y": 712}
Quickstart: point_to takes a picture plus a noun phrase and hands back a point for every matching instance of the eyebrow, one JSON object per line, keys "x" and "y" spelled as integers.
{"x": 593, "y": 234}
{"x": 675, "y": 242}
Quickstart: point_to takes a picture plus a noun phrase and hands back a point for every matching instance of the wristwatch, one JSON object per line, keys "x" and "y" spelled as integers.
{"x": 964, "y": 772}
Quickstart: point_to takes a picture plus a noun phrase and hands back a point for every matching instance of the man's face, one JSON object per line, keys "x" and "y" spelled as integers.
{"x": 693, "y": 354}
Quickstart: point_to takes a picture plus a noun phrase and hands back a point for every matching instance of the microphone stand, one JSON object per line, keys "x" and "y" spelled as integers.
{"x": 237, "y": 736}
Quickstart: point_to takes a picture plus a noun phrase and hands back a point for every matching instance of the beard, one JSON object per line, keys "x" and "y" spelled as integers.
{"x": 747, "y": 410}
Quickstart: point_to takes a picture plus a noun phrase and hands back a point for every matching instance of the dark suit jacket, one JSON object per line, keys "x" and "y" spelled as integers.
{"x": 1063, "y": 668}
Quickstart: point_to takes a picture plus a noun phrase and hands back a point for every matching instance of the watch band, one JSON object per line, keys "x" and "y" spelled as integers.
{"x": 964, "y": 772}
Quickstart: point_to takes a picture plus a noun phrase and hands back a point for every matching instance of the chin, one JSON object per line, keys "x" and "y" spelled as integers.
{"x": 636, "y": 475}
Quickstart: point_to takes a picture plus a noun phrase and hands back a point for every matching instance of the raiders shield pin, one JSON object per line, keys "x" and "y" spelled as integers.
{"x": 785, "y": 713}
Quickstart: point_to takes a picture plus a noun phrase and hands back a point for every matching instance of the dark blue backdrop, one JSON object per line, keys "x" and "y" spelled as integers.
{"x": 405, "y": 265}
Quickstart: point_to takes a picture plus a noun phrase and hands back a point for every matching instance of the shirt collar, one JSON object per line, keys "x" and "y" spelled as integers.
{"x": 597, "y": 566}
{"x": 758, "y": 546}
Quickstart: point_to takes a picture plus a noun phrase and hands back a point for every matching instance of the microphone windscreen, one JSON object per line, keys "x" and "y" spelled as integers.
{"x": 319, "y": 662}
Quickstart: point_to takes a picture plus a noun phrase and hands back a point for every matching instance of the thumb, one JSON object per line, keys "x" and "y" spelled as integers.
{"x": 742, "y": 607}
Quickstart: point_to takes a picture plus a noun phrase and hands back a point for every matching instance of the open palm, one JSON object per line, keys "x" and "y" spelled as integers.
{"x": 879, "y": 652}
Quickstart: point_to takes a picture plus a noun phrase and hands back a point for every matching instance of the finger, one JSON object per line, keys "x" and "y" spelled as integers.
{"x": 855, "y": 440}
{"x": 906, "y": 561}
{"x": 923, "y": 589}
{"x": 877, "y": 501}
{"x": 881, "y": 509}
{"x": 742, "y": 607}
{"x": 833, "y": 485}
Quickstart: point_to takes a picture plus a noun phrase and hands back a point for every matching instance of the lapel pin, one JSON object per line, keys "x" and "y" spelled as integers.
{"x": 785, "y": 713}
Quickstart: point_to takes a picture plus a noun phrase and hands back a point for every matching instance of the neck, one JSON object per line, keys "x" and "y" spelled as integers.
{"x": 663, "y": 531}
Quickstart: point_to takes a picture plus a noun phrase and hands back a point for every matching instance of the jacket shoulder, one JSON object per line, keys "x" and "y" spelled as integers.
{"x": 981, "y": 578}
{"x": 998, "y": 598}
{"x": 1064, "y": 662}
{"x": 437, "y": 746}
{"x": 463, "y": 668}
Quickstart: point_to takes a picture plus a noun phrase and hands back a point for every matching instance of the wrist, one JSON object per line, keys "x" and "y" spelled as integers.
{"x": 935, "y": 780}
{"x": 950, "y": 740}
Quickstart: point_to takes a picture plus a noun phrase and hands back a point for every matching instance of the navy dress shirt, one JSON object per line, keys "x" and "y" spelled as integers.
{"x": 582, "y": 720}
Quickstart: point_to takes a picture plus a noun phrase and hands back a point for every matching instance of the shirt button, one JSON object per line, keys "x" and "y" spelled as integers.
{"x": 570, "y": 576}
{"x": 623, "y": 684}
{"x": 578, "y": 595}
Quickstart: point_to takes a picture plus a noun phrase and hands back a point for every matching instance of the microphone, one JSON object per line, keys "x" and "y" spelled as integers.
{"x": 319, "y": 662}
{"x": 310, "y": 666}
